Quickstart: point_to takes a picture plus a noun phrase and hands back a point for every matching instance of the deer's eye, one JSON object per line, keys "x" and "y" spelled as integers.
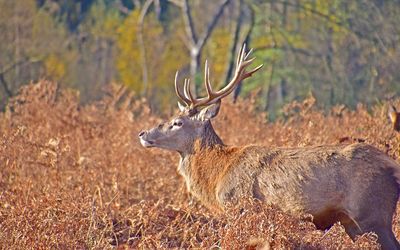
{"x": 177, "y": 123}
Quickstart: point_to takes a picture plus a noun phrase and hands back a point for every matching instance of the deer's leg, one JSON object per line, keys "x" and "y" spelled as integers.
{"x": 379, "y": 221}
{"x": 350, "y": 224}
{"x": 385, "y": 234}
{"x": 374, "y": 224}
{"x": 372, "y": 217}
{"x": 372, "y": 203}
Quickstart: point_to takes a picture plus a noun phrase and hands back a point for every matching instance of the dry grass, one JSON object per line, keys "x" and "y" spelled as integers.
{"x": 76, "y": 177}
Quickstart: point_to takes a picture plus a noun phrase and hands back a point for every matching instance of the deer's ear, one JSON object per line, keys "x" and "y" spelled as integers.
{"x": 181, "y": 107}
{"x": 210, "y": 111}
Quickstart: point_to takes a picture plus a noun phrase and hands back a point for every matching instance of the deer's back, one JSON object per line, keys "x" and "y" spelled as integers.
{"x": 308, "y": 179}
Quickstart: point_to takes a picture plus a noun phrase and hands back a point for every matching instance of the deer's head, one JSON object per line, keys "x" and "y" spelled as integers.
{"x": 193, "y": 121}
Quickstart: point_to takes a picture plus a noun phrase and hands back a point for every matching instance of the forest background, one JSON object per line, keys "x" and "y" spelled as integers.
{"x": 341, "y": 52}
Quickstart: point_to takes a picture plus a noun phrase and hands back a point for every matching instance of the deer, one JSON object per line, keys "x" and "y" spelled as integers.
{"x": 394, "y": 117}
{"x": 354, "y": 184}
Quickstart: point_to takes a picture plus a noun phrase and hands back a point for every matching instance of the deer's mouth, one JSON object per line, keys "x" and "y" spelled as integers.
{"x": 146, "y": 143}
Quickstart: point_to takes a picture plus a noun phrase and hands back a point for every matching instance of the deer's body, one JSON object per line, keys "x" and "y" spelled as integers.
{"x": 355, "y": 184}
{"x": 333, "y": 183}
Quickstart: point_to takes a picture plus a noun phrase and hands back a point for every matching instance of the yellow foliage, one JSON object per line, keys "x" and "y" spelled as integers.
{"x": 55, "y": 67}
{"x": 328, "y": 12}
{"x": 128, "y": 58}
{"x": 268, "y": 41}
{"x": 216, "y": 52}
{"x": 174, "y": 57}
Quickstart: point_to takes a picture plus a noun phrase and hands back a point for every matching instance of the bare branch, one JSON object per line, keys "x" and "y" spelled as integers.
{"x": 142, "y": 46}
{"x": 11, "y": 67}
{"x": 189, "y": 26}
{"x": 195, "y": 44}
{"x": 238, "y": 89}
{"x": 235, "y": 41}
{"x": 137, "y": 4}
{"x": 340, "y": 23}
{"x": 5, "y": 85}
{"x": 291, "y": 48}
{"x": 120, "y": 6}
{"x": 178, "y": 3}
{"x": 210, "y": 28}
{"x": 18, "y": 63}
{"x": 157, "y": 8}
{"x": 144, "y": 11}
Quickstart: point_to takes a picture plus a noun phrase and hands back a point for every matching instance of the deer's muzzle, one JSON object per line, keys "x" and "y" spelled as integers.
{"x": 143, "y": 136}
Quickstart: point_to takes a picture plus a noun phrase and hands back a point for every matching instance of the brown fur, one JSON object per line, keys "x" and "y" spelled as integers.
{"x": 355, "y": 184}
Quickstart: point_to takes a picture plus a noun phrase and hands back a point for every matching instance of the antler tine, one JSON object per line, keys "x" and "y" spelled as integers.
{"x": 244, "y": 64}
{"x": 178, "y": 93}
{"x": 241, "y": 55}
{"x": 240, "y": 73}
{"x": 207, "y": 83}
{"x": 248, "y": 62}
{"x": 187, "y": 92}
{"x": 248, "y": 53}
{"x": 251, "y": 72}
{"x": 185, "y": 89}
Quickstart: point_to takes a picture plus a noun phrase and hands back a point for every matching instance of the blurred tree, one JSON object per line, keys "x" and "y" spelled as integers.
{"x": 71, "y": 13}
{"x": 196, "y": 41}
{"x": 31, "y": 48}
{"x": 96, "y": 45}
{"x": 340, "y": 51}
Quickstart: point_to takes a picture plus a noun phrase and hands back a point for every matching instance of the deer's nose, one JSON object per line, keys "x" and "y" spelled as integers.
{"x": 142, "y": 133}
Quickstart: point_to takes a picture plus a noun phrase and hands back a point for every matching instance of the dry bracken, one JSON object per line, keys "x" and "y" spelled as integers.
{"x": 77, "y": 177}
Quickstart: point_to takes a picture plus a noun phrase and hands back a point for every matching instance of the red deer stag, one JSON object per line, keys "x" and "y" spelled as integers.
{"x": 355, "y": 184}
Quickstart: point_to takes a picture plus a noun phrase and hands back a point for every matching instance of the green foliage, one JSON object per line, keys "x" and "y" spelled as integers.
{"x": 101, "y": 21}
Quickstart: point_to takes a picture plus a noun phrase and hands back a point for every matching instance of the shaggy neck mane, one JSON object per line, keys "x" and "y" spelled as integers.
{"x": 208, "y": 140}
{"x": 205, "y": 164}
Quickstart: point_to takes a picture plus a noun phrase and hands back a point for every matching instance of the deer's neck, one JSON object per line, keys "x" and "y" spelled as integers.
{"x": 209, "y": 138}
{"x": 207, "y": 142}
{"x": 202, "y": 165}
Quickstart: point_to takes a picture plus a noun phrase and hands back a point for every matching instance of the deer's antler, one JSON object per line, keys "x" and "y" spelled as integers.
{"x": 212, "y": 97}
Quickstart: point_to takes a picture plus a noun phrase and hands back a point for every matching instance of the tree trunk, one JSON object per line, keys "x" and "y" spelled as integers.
{"x": 195, "y": 60}
{"x": 238, "y": 89}
{"x": 235, "y": 41}
{"x": 196, "y": 43}
{"x": 142, "y": 47}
